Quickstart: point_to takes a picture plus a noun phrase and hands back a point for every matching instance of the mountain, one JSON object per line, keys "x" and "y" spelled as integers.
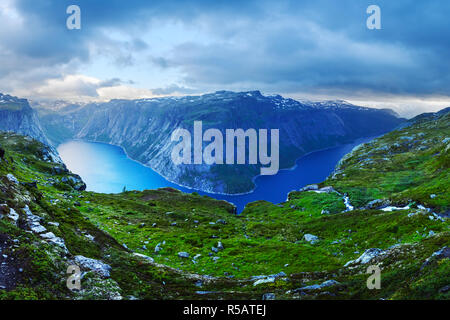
{"x": 385, "y": 205}
{"x": 143, "y": 128}
{"x": 16, "y": 115}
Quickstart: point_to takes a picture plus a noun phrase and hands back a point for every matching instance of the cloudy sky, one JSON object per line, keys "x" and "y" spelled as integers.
{"x": 312, "y": 50}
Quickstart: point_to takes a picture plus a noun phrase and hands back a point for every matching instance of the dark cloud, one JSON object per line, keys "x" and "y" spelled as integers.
{"x": 284, "y": 46}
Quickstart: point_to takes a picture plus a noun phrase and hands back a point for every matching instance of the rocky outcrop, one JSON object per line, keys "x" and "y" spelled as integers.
{"x": 16, "y": 115}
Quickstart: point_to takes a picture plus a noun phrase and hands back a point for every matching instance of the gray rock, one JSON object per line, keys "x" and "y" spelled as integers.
{"x": 268, "y": 296}
{"x": 310, "y": 187}
{"x": 377, "y": 203}
{"x": 12, "y": 179}
{"x": 310, "y": 238}
{"x": 158, "y": 248}
{"x": 96, "y": 266}
{"x": 437, "y": 255}
{"x": 51, "y": 238}
{"x": 264, "y": 280}
{"x": 328, "y": 189}
{"x": 220, "y": 245}
{"x": 366, "y": 257}
{"x": 328, "y": 283}
{"x": 143, "y": 256}
{"x": 183, "y": 254}
{"x": 13, "y": 215}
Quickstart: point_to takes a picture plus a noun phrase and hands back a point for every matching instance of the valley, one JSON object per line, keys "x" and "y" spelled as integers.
{"x": 166, "y": 244}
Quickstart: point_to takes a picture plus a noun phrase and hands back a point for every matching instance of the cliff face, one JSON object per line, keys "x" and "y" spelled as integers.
{"x": 16, "y": 115}
{"x": 144, "y": 127}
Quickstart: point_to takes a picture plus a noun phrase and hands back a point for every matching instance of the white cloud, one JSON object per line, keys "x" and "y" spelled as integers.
{"x": 81, "y": 88}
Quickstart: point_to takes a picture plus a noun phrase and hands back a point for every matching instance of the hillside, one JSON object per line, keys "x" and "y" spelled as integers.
{"x": 385, "y": 204}
{"x": 143, "y": 128}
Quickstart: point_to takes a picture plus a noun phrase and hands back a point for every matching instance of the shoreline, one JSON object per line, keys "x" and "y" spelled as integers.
{"x": 211, "y": 192}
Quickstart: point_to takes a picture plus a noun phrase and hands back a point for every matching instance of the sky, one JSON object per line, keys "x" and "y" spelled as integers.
{"x": 313, "y": 50}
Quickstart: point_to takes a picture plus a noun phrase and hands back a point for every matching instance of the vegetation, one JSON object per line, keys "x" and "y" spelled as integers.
{"x": 405, "y": 168}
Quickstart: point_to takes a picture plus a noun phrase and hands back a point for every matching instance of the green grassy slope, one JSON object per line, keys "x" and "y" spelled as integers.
{"x": 405, "y": 167}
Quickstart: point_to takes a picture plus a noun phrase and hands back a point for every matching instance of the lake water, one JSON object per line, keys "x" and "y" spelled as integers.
{"x": 107, "y": 169}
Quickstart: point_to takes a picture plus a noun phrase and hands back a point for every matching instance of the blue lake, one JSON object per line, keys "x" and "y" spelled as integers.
{"x": 107, "y": 169}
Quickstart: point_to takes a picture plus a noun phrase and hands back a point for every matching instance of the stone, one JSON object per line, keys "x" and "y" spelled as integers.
{"x": 50, "y": 237}
{"x": 310, "y": 238}
{"x": 12, "y": 179}
{"x": 268, "y": 296}
{"x": 325, "y": 284}
{"x": 143, "y": 256}
{"x": 220, "y": 245}
{"x": 96, "y": 266}
{"x": 366, "y": 257}
{"x": 328, "y": 189}
{"x": 264, "y": 280}
{"x": 183, "y": 254}
{"x": 13, "y": 215}
{"x": 310, "y": 187}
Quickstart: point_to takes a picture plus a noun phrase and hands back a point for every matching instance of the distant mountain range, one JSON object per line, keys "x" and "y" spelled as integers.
{"x": 143, "y": 128}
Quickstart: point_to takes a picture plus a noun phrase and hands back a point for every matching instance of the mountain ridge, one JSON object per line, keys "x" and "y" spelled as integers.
{"x": 143, "y": 128}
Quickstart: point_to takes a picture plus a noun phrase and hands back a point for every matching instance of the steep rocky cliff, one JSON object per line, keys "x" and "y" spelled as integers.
{"x": 16, "y": 115}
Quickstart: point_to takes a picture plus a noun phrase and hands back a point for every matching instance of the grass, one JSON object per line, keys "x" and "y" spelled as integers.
{"x": 265, "y": 239}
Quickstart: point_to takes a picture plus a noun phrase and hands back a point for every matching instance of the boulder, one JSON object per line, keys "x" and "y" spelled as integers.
{"x": 264, "y": 280}
{"x": 327, "y": 189}
{"x": 183, "y": 254}
{"x": 310, "y": 187}
{"x": 310, "y": 238}
{"x": 143, "y": 256}
{"x": 325, "y": 284}
{"x": 12, "y": 179}
{"x": 366, "y": 257}
{"x": 96, "y": 266}
{"x": 13, "y": 215}
{"x": 377, "y": 203}
{"x": 443, "y": 253}
{"x": 268, "y": 296}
